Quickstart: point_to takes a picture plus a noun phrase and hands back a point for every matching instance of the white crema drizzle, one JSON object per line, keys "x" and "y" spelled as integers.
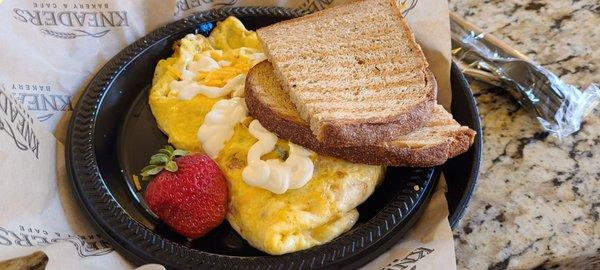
{"x": 187, "y": 88}
{"x": 219, "y": 123}
{"x": 275, "y": 175}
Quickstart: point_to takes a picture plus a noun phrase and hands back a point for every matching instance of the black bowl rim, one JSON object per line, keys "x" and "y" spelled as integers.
{"x": 81, "y": 158}
{"x": 473, "y": 109}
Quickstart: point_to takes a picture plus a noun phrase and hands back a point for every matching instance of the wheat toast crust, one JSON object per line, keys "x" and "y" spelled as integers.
{"x": 297, "y": 132}
{"x": 376, "y": 130}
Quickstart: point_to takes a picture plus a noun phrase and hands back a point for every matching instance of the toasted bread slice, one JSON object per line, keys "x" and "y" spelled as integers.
{"x": 440, "y": 139}
{"x": 354, "y": 72}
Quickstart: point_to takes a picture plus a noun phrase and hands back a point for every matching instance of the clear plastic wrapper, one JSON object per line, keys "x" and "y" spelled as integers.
{"x": 558, "y": 106}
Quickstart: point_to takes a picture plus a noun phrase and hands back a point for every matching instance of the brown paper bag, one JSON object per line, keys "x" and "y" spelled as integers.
{"x": 52, "y": 49}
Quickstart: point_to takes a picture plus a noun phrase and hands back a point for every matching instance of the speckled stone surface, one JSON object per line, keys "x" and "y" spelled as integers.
{"x": 537, "y": 202}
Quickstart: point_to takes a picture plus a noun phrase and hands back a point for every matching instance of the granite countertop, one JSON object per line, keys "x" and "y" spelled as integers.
{"x": 537, "y": 202}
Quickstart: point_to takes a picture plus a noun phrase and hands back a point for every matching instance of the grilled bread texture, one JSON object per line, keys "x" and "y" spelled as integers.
{"x": 354, "y": 72}
{"x": 439, "y": 139}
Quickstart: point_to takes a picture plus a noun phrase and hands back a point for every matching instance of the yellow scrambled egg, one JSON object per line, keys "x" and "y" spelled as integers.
{"x": 277, "y": 224}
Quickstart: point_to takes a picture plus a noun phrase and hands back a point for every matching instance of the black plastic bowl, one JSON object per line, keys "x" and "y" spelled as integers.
{"x": 112, "y": 134}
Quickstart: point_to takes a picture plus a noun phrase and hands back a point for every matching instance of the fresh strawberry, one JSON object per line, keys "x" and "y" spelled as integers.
{"x": 188, "y": 192}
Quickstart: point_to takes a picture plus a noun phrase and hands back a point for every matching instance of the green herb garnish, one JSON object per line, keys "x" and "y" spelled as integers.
{"x": 283, "y": 154}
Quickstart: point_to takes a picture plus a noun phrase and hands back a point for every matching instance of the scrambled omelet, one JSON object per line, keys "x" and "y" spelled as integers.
{"x": 298, "y": 219}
